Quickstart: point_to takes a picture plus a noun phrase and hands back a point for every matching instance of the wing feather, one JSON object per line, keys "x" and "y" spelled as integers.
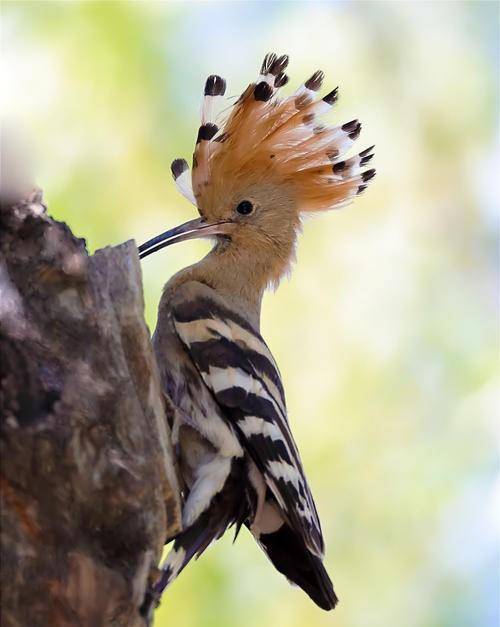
{"x": 237, "y": 366}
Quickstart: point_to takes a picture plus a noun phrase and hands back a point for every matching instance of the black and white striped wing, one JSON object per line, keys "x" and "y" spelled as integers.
{"x": 237, "y": 366}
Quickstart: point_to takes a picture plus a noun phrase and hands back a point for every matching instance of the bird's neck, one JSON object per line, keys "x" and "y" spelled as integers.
{"x": 239, "y": 276}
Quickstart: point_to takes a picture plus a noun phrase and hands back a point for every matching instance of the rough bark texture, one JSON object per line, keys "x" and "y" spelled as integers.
{"x": 88, "y": 487}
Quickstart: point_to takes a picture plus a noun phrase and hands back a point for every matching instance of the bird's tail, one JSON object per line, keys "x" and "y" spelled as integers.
{"x": 188, "y": 544}
{"x": 299, "y": 565}
{"x": 227, "y": 507}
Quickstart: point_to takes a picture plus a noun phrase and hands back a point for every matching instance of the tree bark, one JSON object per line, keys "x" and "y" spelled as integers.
{"x": 88, "y": 486}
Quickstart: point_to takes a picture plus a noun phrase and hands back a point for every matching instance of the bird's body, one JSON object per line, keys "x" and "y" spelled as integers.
{"x": 237, "y": 459}
{"x": 229, "y": 403}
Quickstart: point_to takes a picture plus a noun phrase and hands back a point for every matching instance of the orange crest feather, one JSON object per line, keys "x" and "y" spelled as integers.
{"x": 280, "y": 139}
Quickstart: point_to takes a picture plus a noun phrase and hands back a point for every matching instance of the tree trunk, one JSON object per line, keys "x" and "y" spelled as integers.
{"x": 88, "y": 487}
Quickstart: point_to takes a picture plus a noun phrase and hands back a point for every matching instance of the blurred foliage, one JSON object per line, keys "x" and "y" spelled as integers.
{"x": 386, "y": 335}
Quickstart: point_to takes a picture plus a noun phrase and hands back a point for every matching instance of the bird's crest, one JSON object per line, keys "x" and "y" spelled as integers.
{"x": 268, "y": 138}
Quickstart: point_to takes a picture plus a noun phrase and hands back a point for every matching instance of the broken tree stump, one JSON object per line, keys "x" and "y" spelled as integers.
{"x": 88, "y": 488}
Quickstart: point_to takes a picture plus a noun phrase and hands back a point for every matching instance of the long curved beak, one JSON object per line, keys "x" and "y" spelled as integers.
{"x": 198, "y": 227}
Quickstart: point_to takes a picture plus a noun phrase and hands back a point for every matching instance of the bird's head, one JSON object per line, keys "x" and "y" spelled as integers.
{"x": 269, "y": 162}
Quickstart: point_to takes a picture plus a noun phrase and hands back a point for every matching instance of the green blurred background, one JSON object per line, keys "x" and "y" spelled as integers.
{"x": 386, "y": 335}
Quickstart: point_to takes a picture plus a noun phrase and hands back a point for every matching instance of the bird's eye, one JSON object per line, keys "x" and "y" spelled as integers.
{"x": 244, "y": 208}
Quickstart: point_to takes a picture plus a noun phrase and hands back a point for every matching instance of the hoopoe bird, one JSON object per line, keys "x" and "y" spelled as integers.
{"x": 254, "y": 175}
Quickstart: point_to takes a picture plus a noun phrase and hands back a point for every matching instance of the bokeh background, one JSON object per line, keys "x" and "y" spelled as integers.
{"x": 386, "y": 335}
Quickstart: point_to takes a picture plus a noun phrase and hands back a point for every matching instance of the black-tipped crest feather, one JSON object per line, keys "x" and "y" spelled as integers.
{"x": 206, "y": 132}
{"x": 366, "y": 151}
{"x": 332, "y": 97}
{"x": 215, "y": 86}
{"x": 263, "y": 91}
{"x": 279, "y": 65}
{"x": 280, "y": 80}
{"x": 269, "y": 59}
{"x": 368, "y": 175}
{"x": 315, "y": 81}
{"x": 178, "y": 166}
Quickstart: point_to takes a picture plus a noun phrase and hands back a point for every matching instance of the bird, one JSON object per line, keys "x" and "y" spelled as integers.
{"x": 258, "y": 168}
